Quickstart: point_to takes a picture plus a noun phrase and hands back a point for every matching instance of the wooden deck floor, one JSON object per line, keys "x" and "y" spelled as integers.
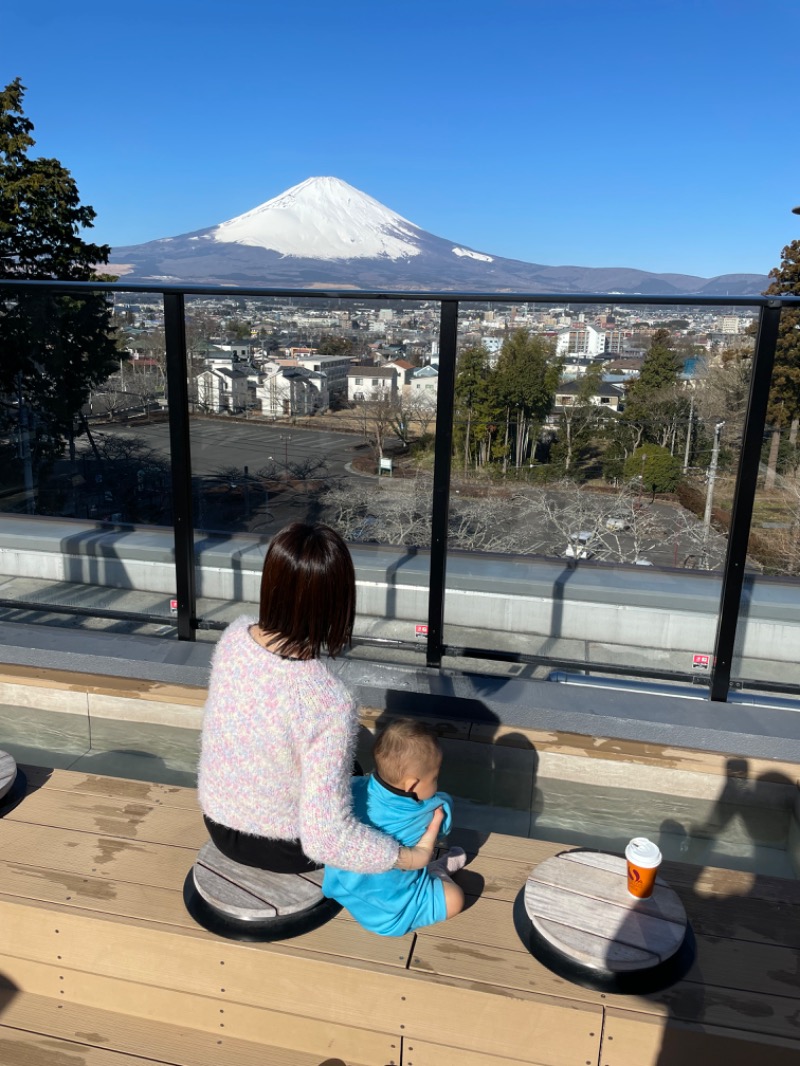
{"x": 100, "y": 965}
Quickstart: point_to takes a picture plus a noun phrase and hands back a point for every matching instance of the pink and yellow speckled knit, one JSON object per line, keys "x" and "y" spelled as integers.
{"x": 277, "y": 750}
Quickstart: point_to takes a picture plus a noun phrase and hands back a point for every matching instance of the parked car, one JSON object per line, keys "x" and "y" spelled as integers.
{"x": 578, "y": 545}
{"x": 616, "y": 524}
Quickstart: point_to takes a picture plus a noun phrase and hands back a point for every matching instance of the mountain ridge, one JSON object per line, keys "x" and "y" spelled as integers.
{"x": 325, "y": 233}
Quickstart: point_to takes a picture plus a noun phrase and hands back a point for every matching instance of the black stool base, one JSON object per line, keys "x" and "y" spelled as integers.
{"x": 257, "y": 931}
{"x": 15, "y": 794}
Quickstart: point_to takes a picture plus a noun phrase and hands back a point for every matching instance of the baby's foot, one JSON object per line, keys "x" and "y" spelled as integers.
{"x": 450, "y": 861}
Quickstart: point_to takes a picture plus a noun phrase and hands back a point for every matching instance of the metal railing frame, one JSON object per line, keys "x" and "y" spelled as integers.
{"x": 174, "y": 296}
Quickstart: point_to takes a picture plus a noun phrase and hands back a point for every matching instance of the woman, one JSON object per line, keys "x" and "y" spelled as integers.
{"x": 279, "y": 730}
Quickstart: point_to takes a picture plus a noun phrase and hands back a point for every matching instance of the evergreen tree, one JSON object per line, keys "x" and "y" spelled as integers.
{"x": 656, "y": 406}
{"x": 784, "y": 398}
{"x": 475, "y": 414}
{"x": 527, "y": 378}
{"x": 55, "y": 348}
{"x": 330, "y": 345}
{"x": 659, "y": 471}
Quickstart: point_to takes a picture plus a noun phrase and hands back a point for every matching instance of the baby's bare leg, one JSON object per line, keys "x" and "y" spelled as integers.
{"x": 442, "y": 867}
{"x": 453, "y": 897}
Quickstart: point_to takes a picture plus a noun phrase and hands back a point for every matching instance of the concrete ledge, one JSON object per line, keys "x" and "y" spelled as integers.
{"x": 109, "y": 669}
{"x": 559, "y": 753}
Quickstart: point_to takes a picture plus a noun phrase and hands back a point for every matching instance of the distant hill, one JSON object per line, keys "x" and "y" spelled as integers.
{"x": 323, "y": 233}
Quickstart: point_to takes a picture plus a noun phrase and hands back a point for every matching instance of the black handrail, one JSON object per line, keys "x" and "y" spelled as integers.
{"x": 418, "y": 295}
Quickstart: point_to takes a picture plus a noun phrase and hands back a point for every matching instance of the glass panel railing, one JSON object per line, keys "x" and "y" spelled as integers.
{"x": 304, "y": 412}
{"x": 769, "y": 619}
{"x": 85, "y": 513}
{"x": 594, "y": 456}
{"x": 585, "y": 460}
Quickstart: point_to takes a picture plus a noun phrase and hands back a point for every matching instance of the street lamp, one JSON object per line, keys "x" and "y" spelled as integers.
{"x": 712, "y": 476}
{"x": 285, "y": 437}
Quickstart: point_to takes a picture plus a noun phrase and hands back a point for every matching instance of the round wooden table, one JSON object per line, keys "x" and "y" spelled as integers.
{"x": 582, "y": 922}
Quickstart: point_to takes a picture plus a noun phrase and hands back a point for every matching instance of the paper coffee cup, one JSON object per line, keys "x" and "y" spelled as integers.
{"x": 644, "y": 859}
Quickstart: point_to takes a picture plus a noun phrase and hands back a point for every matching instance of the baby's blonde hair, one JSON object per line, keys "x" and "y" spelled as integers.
{"x": 406, "y": 748}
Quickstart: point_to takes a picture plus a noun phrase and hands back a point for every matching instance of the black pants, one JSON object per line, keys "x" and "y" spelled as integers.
{"x": 278, "y": 856}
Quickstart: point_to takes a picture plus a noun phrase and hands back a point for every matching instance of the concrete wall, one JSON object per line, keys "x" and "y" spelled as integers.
{"x": 638, "y": 607}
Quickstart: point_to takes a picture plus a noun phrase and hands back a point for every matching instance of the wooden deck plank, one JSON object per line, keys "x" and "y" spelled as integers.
{"x": 341, "y": 937}
{"x": 281, "y": 1040}
{"x": 746, "y": 1008}
{"x": 20, "y": 1048}
{"x": 113, "y": 816}
{"x": 638, "y": 1040}
{"x": 91, "y": 956}
{"x": 524, "y": 850}
{"x": 122, "y": 788}
{"x": 424, "y": 1053}
{"x": 714, "y": 882}
{"x": 89, "y": 854}
{"x": 723, "y": 962}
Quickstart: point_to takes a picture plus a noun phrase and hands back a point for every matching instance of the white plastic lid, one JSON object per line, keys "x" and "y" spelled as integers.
{"x": 643, "y": 852}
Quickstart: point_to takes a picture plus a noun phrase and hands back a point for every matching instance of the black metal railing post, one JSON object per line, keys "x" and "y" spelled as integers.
{"x": 180, "y": 462}
{"x": 448, "y": 340}
{"x": 743, "y": 499}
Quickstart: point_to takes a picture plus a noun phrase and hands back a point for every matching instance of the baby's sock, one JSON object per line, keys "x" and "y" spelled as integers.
{"x": 448, "y": 863}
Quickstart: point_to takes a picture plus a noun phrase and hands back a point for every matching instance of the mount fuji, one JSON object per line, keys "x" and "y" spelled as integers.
{"x": 323, "y": 233}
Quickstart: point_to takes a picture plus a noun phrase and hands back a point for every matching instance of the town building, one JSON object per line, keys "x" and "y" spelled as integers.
{"x": 371, "y": 383}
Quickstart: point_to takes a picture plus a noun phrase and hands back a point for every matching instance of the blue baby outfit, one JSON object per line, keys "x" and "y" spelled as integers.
{"x": 397, "y": 901}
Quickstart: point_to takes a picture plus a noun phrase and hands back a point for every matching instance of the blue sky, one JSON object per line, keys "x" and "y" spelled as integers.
{"x": 661, "y": 135}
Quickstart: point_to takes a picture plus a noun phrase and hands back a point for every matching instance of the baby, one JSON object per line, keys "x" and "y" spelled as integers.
{"x": 399, "y": 798}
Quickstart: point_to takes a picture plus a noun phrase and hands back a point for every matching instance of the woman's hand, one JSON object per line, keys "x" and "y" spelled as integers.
{"x": 422, "y": 852}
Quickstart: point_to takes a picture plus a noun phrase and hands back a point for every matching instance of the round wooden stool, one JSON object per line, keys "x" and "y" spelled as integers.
{"x": 244, "y": 903}
{"x": 580, "y": 920}
{"x": 12, "y": 783}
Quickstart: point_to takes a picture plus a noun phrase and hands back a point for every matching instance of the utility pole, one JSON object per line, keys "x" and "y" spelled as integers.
{"x": 712, "y": 475}
{"x": 688, "y": 435}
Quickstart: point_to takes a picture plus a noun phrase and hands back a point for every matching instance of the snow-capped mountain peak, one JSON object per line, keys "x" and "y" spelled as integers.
{"x": 323, "y": 218}
{"x": 323, "y": 233}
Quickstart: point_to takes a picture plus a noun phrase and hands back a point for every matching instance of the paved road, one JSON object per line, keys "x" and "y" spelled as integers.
{"x": 216, "y": 445}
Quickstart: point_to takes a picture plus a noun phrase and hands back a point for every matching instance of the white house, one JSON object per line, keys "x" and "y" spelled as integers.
{"x": 405, "y": 371}
{"x": 371, "y": 383}
{"x": 222, "y": 388}
{"x": 424, "y": 382}
{"x": 286, "y": 390}
{"x": 239, "y": 352}
{"x": 607, "y": 395}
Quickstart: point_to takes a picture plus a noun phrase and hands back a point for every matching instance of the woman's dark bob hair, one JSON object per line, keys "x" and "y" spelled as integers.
{"x": 308, "y": 591}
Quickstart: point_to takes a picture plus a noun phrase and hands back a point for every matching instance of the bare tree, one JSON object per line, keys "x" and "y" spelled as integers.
{"x": 377, "y": 417}
{"x": 421, "y": 413}
{"x": 109, "y": 400}
{"x": 616, "y": 527}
